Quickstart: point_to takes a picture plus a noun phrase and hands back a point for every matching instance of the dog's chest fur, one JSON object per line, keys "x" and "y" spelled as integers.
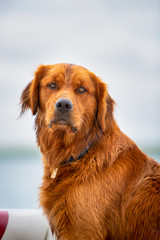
{"x": 77, "y": 204}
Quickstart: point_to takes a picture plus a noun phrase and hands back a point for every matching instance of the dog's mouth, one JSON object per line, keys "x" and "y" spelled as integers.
{"x": 62, "y": 122}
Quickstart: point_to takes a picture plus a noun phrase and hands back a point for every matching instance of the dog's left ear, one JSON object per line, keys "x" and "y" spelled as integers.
{"x": 30, "y": 95}
{"x": 105, "y": 105}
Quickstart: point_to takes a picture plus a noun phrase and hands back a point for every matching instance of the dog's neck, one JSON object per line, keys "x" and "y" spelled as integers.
{"x": 72, "y": 159}
{"x": 61, "y": 147}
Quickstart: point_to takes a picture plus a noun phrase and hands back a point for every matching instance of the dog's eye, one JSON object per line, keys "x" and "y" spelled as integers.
{"x": 82, "y": 90}
{"x": 52, "y": 85}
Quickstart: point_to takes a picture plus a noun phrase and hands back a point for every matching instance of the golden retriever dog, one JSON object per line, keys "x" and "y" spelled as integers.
{"x": 97, "y": 183}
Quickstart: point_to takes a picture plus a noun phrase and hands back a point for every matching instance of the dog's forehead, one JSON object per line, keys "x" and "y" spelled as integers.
{"x": 79, "y": 75}
{"x": 57, "y": 70}
{"x": 69, "y": 73}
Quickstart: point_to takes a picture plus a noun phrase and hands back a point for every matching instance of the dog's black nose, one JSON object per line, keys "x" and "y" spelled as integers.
{"x": 63, "y": 105}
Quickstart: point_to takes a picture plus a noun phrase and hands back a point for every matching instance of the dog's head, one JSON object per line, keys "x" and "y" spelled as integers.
{"x": 68, "y": 96}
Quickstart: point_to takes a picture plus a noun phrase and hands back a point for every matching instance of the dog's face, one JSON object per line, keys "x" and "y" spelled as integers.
{"x": 67, "y": 97}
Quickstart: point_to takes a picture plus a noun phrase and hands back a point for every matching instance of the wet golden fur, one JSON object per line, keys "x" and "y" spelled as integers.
{"x": 113, "y": 192}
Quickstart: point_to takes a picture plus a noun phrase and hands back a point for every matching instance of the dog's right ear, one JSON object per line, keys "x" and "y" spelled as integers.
{"x": 25, "y": 99}
{"x": 30, "y": 95}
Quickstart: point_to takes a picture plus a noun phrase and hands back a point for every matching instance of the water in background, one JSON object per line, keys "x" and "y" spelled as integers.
{"x": 20, "y": 179}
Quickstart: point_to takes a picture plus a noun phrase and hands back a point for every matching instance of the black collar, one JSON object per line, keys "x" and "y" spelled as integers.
{"x": 81, "y": 155}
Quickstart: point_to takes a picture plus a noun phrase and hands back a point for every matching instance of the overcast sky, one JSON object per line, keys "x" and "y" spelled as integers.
{"x": 116, "y": 39}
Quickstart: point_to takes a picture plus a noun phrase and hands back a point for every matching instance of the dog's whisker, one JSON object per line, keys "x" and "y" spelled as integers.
{"x": 51, "y": 123}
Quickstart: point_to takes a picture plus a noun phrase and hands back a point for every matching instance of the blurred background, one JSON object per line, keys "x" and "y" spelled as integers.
{"x": 118, "y": 40}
